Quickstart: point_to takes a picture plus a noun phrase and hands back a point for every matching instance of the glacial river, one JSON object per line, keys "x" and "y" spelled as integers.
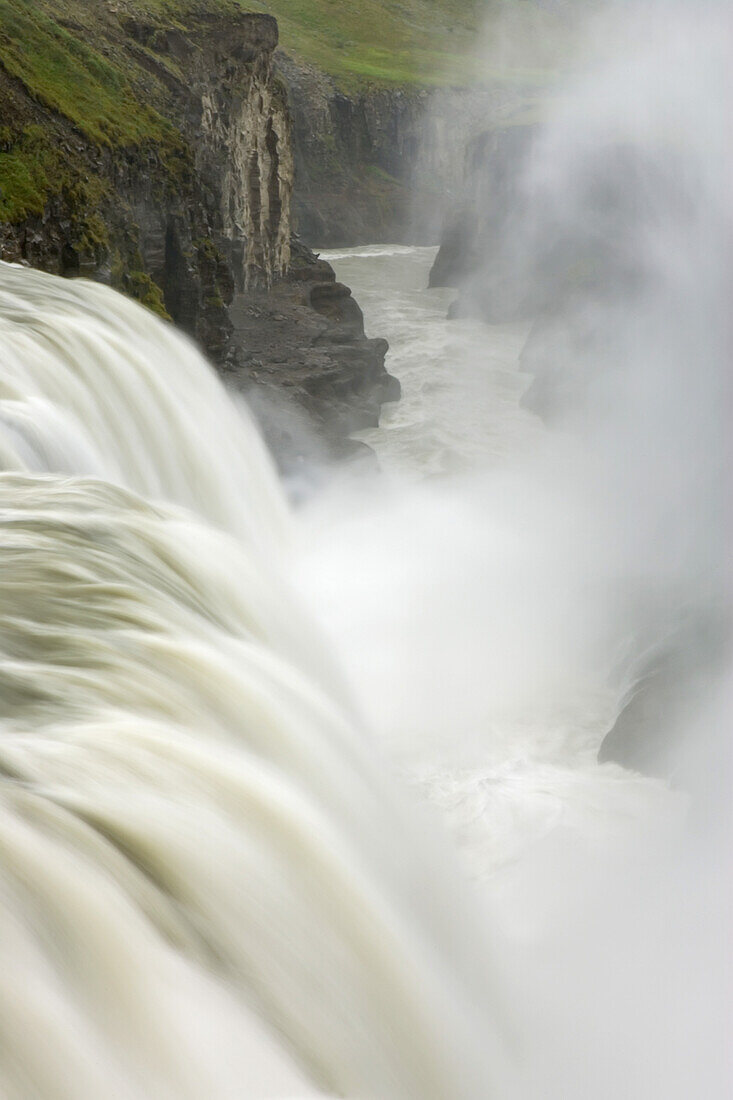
{"x": 461, "y": 382}
{"x": 475, "y": 601}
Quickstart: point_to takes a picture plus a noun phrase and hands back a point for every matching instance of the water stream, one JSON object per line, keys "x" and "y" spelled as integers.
{"x": 460, "y": 382}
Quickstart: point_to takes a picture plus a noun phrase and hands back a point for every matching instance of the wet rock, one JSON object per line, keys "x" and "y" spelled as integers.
{"x": 303, "y": 342}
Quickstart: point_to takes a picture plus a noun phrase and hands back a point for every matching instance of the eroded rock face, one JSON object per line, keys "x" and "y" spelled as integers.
{"x": 574, "y": 263}
{"x": 300, "y": 347}
{"x": 245, "y": 141}
{"x": 380, "y": 165}
{"x": 482, "y": 249}
{"x": 199, "y": 227}
{"x": 232, "y": 229}
{"x": 179, "y": 222}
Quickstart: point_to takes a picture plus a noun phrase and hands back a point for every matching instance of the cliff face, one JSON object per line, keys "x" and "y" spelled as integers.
{"x": 182, "y": 196}
{"x": 376, "y": 164}
{"x": 226, "y": 226}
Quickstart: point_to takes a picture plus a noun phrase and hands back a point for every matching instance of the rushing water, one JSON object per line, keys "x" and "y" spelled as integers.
{"x": 460, "y": 383}
{"x": 496, "y": 729}
{"x": 193, "y": 836}
{"x": 211, "y": 885}
{"x": 486, "y": 607}
{"x": 512, "y": 587}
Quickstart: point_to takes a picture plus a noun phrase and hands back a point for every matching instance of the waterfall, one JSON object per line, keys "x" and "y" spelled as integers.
{"x": 211, "y": 888}
{"x": 92, "y": 386}
{"x": 203, "y": 871}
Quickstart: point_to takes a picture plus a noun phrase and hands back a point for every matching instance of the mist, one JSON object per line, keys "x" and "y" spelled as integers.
{"x": 420, "y": 787}
{"x": 542, "y": 643}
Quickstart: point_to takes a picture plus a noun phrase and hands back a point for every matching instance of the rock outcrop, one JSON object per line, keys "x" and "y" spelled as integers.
{"x": 180, "y": 194}
{"x": 481, "y": 251}
{"x": 299, "y": 345}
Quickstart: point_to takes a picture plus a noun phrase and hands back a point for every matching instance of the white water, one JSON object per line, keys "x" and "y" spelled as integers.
{"x": 460, "y": 385}
{"x": 454, "y": 604}
{"x": 485, "y": 624}
{"x": 209, "y": 884}
{"x": 491, "y": 623}
{"x": 206, "y": 882}
{"x": 193, "y": 835}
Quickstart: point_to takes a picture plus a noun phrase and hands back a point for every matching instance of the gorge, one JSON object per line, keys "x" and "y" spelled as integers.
{"x": 405, "y": 778}
{"x": 169, "y": 175}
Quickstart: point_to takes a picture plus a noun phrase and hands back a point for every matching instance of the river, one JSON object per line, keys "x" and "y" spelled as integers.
{"x": 309, "y": 803}
{"x": 314, "y": 801}
{"x": 471, "y": 519}
{"x": 461, "y": 383}
{"x": 477, "y": 598}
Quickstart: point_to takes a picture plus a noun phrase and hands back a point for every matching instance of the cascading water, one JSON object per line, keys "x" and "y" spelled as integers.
{"x": 192, "y": 830}
{"x": 81, "y": 395}
{"x": 208, "y": 887}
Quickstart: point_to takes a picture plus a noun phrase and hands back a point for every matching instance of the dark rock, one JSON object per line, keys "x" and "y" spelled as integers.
{"x": 303, "y": 338}
{"x": 572, "y": 264}
{"x": 671, "y": 687}
{"x": 198, "y": 226}
{"x": 481, "y": 246}
{"x": 379, "y": 165}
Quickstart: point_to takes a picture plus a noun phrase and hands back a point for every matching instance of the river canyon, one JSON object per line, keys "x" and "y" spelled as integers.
{"x": 365, "y": 598}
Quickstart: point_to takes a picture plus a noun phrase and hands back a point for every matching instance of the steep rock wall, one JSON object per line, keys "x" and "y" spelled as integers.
{"x": 381, "y": 164}
{"x": 200, "y": 207}
{"x": 187, "y": 207}
{"x": 573, "y": 261}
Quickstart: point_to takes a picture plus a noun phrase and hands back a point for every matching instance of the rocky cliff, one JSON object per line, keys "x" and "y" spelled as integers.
{"x": 380, "y": 164}
{"x": 154, "y": 152}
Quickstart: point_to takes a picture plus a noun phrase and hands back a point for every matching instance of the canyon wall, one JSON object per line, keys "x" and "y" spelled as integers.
{"x": 171, "y": 177}
{"x": 574, "y": 261}
{"x": 380, "y": 164}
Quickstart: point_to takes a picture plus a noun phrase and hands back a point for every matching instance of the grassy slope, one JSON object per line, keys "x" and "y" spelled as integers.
{"x": 357, "y": 41}
{"x": 71, "y": 57}
{"x": 394, "y": 42}
{"x": 423, "y": 42}
{"x": 385, "y": 41}
{"x": 65, "y": 73}
{"x": 61, "y": 54}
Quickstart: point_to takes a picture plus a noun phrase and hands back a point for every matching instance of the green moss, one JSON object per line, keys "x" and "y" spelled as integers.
{"x": 117, "y": 270}
{"x": 63, "y": 72}
{"x": 87, "y": 198}
{"x": 99, "y": 86}
{"x": 207, "y": 249}
{"x": 29, "y": 169}
{"x": 140, "y": 286}
{"x": 379, "y": 174}
{"x": 421, "y": 42}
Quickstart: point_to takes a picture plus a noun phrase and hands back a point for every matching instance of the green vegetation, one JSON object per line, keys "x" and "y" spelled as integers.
{"x": 383, "y": 41}
{"x": 71, "y": 56}
{"x": 423, "y": 42}
{"x": 28, "y": 166}
{"x": 64, "y": 73}
{"x": 139, "y": 285}
{"x": 85, "y": 86}
{"x": 404, "y": 42}
{"x": 61, "y": 52}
